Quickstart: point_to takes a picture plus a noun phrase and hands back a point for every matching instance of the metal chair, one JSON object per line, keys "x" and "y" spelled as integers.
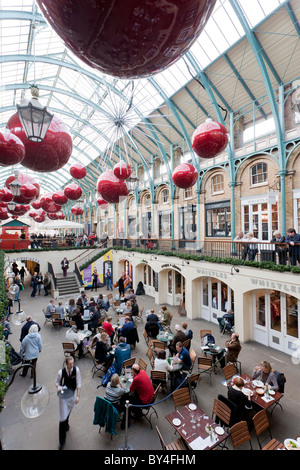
{"x": 240, "y": 434}
{"x": 261, "y": 424}
{"x": 175, "y": 445}
{"x": 149, "y": 410}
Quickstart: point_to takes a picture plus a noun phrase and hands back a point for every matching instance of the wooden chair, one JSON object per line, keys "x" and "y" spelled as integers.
{"x": 192, "y": 381}
{"x": 56, "y": 320}
{"x": 69, "y": 349}
{"x": 158, "y": 346}
{"x": 273, "y": 445}
{"x": 187, "y": 344}
{"x": 193, "y": 357}
{"x": 149, "y": 410}
{"x": 222, "y": 411}
{"x": 148, "y": 340}
{"x": 47, "y": 319}
{"x": 142, "y": 364}
{"x": 205, "y": 365}
{"x": 229, "y": 371}
{"x": 150, "y": 356}
{"x": 261, "y": 424}
{"x": 175, "y": 445}
{"x": 203, "y": 333}
{"x": 128, "y": 363}
{"x": 159, "y": 377}
{"x": 239, "y": 433}
{"x": 181, "y": 397}
{"x": 138, "y": 317}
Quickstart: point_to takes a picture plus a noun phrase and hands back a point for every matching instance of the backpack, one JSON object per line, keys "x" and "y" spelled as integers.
{"x": 111, "y": 371}
{"x": 280, "y": 380}
{"x": 189, "y": 335}
{"x": 177, "y": 379}
{"x": 208, "y": 339}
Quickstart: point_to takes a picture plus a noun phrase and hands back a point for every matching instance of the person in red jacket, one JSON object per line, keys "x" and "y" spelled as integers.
{"x": 141, "y": 389}
{"x": 109, "y": 328}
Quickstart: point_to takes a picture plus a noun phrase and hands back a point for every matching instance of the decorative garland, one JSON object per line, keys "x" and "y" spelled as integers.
{"x": 4, "y": 368}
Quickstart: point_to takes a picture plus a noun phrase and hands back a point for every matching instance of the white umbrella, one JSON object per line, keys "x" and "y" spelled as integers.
{"x": 56, "y": 224}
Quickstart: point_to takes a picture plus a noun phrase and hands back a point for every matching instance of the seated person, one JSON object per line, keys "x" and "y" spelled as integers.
{"x": 141, "y": 389}
{"x": 134, "y": 309}
{"x": 100, "y": 302}
{"x": 109, "y": 329}
{"x": 102, "y": 350}
{"x": 77, "y": 318}
{"x": 122, "y": 352}
{"x": 151, "y": 316}
{"x": 229, "y": 316}
{"x": 50, "y": 309}
{"x": 128, "y": 325}
{"x": 264, "y": 373}
{"x": 72, "y": 337}
{"x": 152, "y": 329}
{"x": 183, "y": 357}
{"x": 166, "y": 321}
{"x": 161, "y": 363}
{"x": 60, "y": 309}
{"x": 71, "y": 307}
{"x": 130, "y": 296}
{"x": 188, "y": 333}
{"x": 79, "y": 305}
{"x": 92, "y": 304}
{"x": 242, "y": 401}
{"x": 127, "y": 308}
{"x": 233, "y": 347}
{"x": 114, "y": 393}
{"x": 178, "y": 337}
{"x": 93, "y": 323}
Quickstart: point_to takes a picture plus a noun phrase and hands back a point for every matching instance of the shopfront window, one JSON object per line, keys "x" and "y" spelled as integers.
{"x": 165, "y": 225}
{"x": 170, "y": 289}
{"x": 260, "y": 308}
{"x": 188, "y": 223}
{"x": 292, "y": 316}
{"x": 218, "y": 220}
{"x": 205, "y": 292}
{"x": 275, "y": 310}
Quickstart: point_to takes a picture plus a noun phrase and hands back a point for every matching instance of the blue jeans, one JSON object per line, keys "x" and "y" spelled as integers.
{"x": 108, "y": 284}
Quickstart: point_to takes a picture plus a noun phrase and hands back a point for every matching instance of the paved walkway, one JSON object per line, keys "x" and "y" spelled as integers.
{"x": 20, "y": 433}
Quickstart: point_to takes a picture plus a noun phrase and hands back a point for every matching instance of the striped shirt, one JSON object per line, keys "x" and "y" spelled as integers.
{"x": 113, "y": 394}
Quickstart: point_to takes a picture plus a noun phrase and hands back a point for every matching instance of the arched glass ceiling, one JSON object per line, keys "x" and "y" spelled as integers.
{"x": 87, "y": 101}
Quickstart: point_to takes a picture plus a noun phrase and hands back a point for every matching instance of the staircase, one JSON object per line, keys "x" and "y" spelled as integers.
{"x": 67, "y": 286}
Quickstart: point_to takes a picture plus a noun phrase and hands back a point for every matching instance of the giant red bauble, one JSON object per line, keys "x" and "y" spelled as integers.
{"x": 184, "y": 175}
{"x": 101, "y": 203}
{"x": 59, "y": 197}
{"x": 78, "y": 171}
{"x": 52, "y": 216}
{"x": 73, "y": 191}
{"x": 28, "y": 191}
{"x": 209, "y": 139}
{"x": 77, "y": 210}
{"x": 24, "y": 179}
{"x": 61, "y": 216}
{"x": 12, "y": 150}
{"x": 111, "y": 188}
{"x": 40, "y": 218}
{"x": 49, "y": 155}
{"x": 48, "y": 205}
{"x": 6, "y": 195}
{"x": 3, "y": 213}
{"x": 128, "y": 38}
{"x": 122, "y": 170}
{"x": 36, "y": 204}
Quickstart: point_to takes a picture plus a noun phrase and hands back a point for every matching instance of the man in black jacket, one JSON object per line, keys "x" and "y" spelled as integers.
{"x": 293, "y": 239}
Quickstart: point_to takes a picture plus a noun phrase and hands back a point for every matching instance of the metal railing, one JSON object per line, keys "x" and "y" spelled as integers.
{"x": 52, "y": 274}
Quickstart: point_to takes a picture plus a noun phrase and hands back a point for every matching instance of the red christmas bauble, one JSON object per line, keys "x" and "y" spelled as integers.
{"x": 209, "y": 139}
{"x": 128, "y": 38}
{"x": 122, "y": 170}
{"x": 73, "y": 191}
{"x": 78, "y": 171}
{"x": 40, "y": 218}
{"x": 185, "y": 175}
{"x": 28, "y": 191}
{"x": 3, "y": 213}
{"x": 59, "y": 197}
{"x": 12, "y": 150}
{"x": 20, "y": 209}
{"x": 48, "y": 205}
{"x": 51, "y": 154}
{"x": 77, "y": 210}
{"x": 61, "y": 216}
{"x": 111, "y": 188}
{"x": 24, "y": 179}
{"x": 32, "y": 214}
{"x": 36, "y": 204}
{"x": 6, "y": 195}
{"x": 52, "y": 216}
{"x": 103, "y": 204}
{"x": 3, "y": 204}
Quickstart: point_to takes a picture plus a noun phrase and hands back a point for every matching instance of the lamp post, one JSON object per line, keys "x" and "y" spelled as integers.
{"x": 131, "y": 183}
{"x": 34, "y": 117}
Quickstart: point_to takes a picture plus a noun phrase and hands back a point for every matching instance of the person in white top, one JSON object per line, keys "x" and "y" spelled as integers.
{"x": 73, "y": 337}
{"x": 161, "y": 363}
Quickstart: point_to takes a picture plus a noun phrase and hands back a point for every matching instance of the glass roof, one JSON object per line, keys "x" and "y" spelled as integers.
{"x": 87, "y": 101}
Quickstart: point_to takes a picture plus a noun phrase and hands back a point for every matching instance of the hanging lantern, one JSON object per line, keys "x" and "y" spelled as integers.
{"x": 185, "y": 176}
{"x": 122, "y": 170}
{"x": 131, "y": 183}
{"x": 209, "y": 139}
{"x": 73, "y": 191}
{"x": 78, "y": 171}
{"x": 23, "y": 179}
{"x": 15, "y": 186}
{"x": 59, "y": 197}
{"x": 111, "y": 188}
{"x": 47, "y": 156}
{"x": 12, "y": 150}
{"x": 34, "y": 117}
{"x": 128, "y": 38}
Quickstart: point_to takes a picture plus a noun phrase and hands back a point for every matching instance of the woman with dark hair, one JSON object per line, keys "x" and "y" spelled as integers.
{"x": 77, "y": 318}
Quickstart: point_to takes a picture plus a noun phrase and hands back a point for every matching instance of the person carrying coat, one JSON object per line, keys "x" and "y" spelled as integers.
{"x": 65, "y": 266}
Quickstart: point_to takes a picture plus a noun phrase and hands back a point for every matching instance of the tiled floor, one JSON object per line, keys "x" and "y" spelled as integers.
{"x": 20, "y": 433}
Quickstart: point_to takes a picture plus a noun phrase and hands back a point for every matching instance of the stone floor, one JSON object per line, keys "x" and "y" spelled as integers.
{"x": 20, "y": 433}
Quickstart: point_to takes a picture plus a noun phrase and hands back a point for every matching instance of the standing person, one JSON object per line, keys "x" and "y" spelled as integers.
{"x": 280, "y": 249}
{"x": 34, "y": 285}
{"x": 18, "y": 283}
{"x": 26, "y": 327}
{"x": 252, "y": 247}
{"x": 293, "y": 240}
{"x": 108, "y": 280}
{"x": 243, "y": 247}
{"x": 121, "y": 286}
{"x": 39, "y": 282}
{"x": 95, "y": 280}
{"x": 22, "y": 274}
{"x": 31, "y": 346}
{"x": 46, "y": 284}
{"x": 233, "y": 347}
{"x": 70, "y": 378}
{"x": 65, "y": 266}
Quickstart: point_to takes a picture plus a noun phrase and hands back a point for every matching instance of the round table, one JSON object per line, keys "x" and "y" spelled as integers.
{"x": 165, "y": 337}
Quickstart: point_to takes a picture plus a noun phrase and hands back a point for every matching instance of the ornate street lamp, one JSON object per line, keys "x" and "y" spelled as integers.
{"x": 131, "y": 183}
{"x": 34, "y": 117}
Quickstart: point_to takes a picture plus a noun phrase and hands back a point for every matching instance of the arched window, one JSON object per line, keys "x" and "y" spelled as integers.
{"x": 259, "y": 173}
{"x": 217, "y": 183}
{"x": 164, "y": 197}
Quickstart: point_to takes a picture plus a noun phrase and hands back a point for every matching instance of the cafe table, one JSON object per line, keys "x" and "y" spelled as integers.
{"x": 191, "y": 423}
{"x": 258, "y": 397}
{"x": 213, "y": 350}
{"x": 164, "y": 336}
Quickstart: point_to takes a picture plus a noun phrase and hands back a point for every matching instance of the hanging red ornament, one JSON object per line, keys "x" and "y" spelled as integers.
{"x": 3, "y": 213}
{"x": 103, "y": 204}
{"x": 59, "y": 197}
{"x": 209, "y": 139}
{"x": 3, "y": 204}
{"x": 61, "y": 216}
{"x": 6, "y": 195}
{"x": 24, "y": 179}
{"x": 36, "y": 204}
{"x": 12, "y": 150}
{"x": 77, "y": 210}
{"x": 40, "y": 218}
{"x": 49, "y": 155}
{"x": 28, "y": 191}
{"x": 48, "y": 205}
{"x": 122, "y": 170}
{"x": 128, "y": 38}
{"x": 52, "y": 216}
{"x": 78, "y": 171}
{"x": 184, "y": 175}
{"x": 111, "y": 188}
{"x": 73, "y": 191}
